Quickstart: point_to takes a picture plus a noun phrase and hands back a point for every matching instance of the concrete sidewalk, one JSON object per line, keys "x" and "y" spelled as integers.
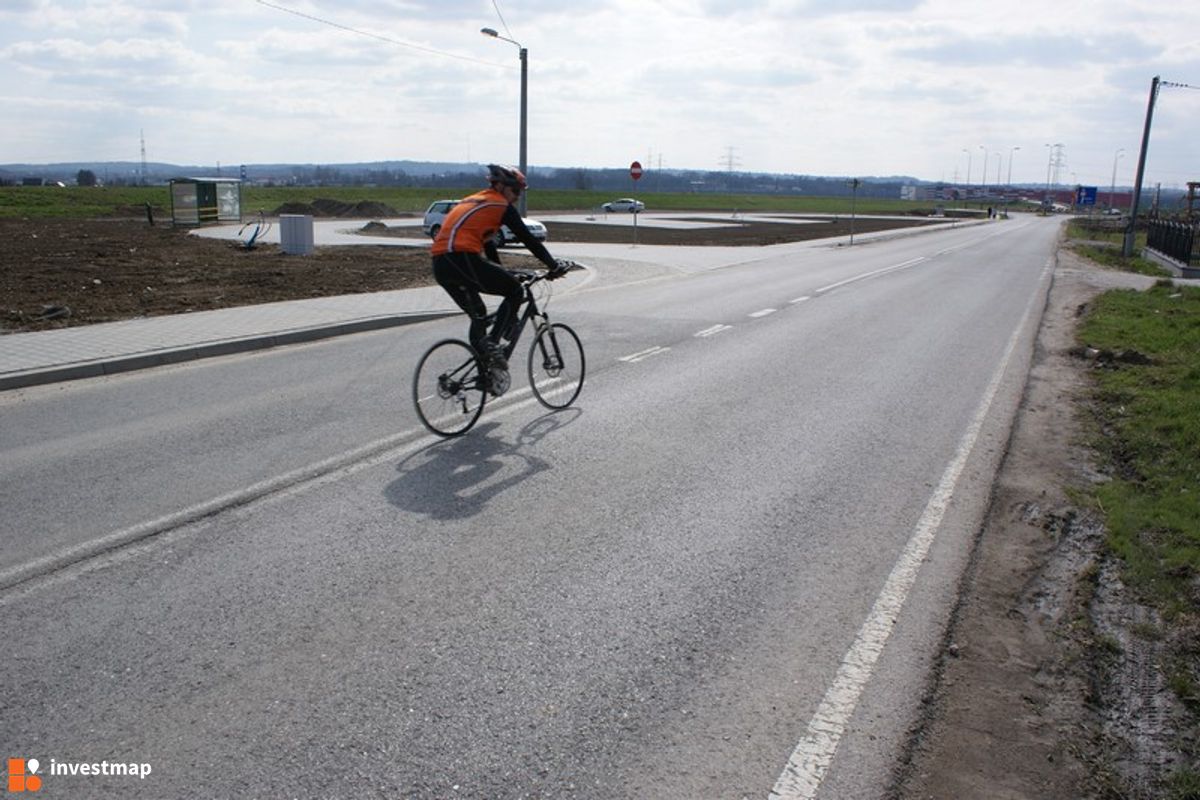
{"x": 30, "y": 359}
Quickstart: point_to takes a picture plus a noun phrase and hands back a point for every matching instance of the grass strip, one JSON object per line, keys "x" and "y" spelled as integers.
{"x": 1145, "y": 412}
{"x": 127, "y": 201}
{"x": 1146, "y": 407}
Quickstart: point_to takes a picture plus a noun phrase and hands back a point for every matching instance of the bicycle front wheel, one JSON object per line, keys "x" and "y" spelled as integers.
{"x": 556, "y": 366}
{"x": 448, "y": 390}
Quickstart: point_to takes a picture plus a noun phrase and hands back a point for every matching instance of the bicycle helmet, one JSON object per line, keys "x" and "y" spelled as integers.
{"x": 508, "y": 176}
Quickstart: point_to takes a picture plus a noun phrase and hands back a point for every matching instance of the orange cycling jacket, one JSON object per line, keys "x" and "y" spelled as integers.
{"x": 471, "y": 223}
{"x": 470, "y": 226}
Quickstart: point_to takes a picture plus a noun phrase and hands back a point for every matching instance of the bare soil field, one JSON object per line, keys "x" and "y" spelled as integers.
{"x": 58, "y": 272}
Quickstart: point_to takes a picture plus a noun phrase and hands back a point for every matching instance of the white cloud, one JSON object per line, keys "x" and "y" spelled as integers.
{"x": 865, "y": 87}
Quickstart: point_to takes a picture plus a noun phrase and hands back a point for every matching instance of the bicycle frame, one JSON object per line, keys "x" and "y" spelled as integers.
{"x": 529, "y": 312}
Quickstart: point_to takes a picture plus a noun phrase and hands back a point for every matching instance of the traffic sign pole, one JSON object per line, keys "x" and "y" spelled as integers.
{"x": 635, "y": 172}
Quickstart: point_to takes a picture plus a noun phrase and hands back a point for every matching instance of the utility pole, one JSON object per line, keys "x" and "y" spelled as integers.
{"x": 729, "y": 161}
{"x": 1127, "y": 246}
{"x": 1057, "y": 162}
{"x": 143, "y": 134}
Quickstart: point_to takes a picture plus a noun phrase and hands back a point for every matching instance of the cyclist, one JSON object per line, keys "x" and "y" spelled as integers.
{"x": 466, "y": 260}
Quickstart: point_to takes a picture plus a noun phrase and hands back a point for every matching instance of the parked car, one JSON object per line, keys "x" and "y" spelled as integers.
{"x": 625, "y": 204}
{"x": 438, "y": 209}
{"x": 535, "y": 227}
{"x": 434, "y": 215}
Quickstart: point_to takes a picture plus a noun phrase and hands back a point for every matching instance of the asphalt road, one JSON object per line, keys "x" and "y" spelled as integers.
{"x": 723, "y": 573}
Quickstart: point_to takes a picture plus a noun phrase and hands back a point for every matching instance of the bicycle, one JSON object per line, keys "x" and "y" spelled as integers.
{"x": 452, "y": 381}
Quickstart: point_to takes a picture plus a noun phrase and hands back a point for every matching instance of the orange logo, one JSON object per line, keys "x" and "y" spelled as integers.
{"x": 22, "y": 775}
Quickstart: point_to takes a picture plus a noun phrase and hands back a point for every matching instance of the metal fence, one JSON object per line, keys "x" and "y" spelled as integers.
{"x": 1174, "y": 239}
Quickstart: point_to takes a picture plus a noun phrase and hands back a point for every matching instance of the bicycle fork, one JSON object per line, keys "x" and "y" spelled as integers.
{"x": 552, "y": 355}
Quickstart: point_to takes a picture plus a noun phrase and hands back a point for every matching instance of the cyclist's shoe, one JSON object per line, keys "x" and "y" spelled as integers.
{"x": 498, "y": 381}
{"x": 493, "y": 355}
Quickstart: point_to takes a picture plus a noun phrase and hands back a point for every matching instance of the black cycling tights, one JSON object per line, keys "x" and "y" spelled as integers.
{"x": 464, "y": 276}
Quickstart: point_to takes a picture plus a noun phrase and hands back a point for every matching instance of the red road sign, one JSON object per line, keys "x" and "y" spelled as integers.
{"x": 635, "y": 170}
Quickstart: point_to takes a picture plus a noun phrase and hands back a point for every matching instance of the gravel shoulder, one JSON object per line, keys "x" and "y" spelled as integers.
{"x": 1016, "y": 710}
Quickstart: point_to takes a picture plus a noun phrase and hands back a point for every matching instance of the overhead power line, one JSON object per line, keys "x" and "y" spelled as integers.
{"x": 382, "y": 38}
{"x": 503, "y": 24}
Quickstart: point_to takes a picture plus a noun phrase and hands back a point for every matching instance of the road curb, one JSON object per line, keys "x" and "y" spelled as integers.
{"x": 178, "y": 355}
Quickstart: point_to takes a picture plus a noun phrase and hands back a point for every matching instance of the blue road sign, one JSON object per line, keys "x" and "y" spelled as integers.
{"x": 1085, "y": 195}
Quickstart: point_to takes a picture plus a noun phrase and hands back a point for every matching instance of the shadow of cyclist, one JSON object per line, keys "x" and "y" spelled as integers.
{"x": 455, "y": 479}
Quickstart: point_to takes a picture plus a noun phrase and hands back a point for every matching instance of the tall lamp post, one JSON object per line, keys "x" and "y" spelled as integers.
{"x": 985, "y": 155}
{"x": 1010, "y": 160}
{"x": 1112, "y": 187}
{"x": 524, "y": 166}
{"x": 968, "y": 152}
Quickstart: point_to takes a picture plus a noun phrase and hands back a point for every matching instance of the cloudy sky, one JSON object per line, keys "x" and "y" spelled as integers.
{"x": 827, "y": 87}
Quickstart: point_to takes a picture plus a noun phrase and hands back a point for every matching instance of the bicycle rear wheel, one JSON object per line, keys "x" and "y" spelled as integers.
{"x": 448, "y": 389}
{"x": 556, "y": 366}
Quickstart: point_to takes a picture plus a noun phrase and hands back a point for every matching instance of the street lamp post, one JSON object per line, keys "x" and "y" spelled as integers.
{"x": 524, "y": 165}
{"x": 968, "y": 152}
{"x": 985, "y": 155}
{"x": 1112, "y": 187}
{"x": 1010, "y": 160}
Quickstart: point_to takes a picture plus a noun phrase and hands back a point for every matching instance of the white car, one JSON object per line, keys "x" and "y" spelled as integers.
{"x": 434, "y": 215}
{"x": 438, "y": 209}
{"x": 535, "y": 227}
{"x": 625, "y": 204}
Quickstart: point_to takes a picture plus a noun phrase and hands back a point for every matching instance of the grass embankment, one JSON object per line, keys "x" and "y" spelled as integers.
{"x": 1102, "y": 242}
{"x": 1147, "y": 407}
{"x": 1145, "y": 411}
{"x": 125, "y": 201}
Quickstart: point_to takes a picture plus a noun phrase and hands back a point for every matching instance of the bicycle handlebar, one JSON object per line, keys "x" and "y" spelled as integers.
{"x": 529, "y": 278}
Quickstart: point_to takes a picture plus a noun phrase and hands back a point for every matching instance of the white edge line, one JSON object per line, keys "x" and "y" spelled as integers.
{"x": 809, "y": 762}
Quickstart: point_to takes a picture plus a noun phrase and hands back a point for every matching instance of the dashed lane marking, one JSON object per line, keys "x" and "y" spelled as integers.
{"x": 713, "y": 331}
{"x": 903, "y": 265}
{"x": 642, "y": 355}
{"x": 764, "y": 312}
